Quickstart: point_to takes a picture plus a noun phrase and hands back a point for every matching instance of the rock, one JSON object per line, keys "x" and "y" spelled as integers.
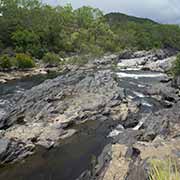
{"x": 118, "y": 166}
{"x": 162, "y": 65}
{"x": 126, "y": 55}
{"x": 159, "y": 60}
{"x": 46, "y": 113}
{"x": 164, "y": 93}
{"x": 106, "y": 60}
{"x": 151, "y": 55}
{"x": 4, "y": 144}
{"x": 176, "y": 82}
{"x": 137, "y": 171}
{"x": 82, "y": 94}
{"x": 40, "y": 71}
{"x": 164, "y": 122}
{"x": 132, "y": 153}
{"x": 155, "y": 125}
{"x": 166, "y": 80}
{"x": 3, "y": 81}
{"x": 128, "y": 137}
{"x": 132, "y": 63}
{"x": 13, "y": 150}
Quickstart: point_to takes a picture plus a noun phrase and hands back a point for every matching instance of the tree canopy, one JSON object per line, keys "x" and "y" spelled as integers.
{"x": 30, "y": 27}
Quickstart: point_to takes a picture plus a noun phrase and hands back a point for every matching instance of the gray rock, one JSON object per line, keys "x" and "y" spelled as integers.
{"x": 176, "y": 82}
{"x": 4, "y": 144}
{"x": 74, "y": 92}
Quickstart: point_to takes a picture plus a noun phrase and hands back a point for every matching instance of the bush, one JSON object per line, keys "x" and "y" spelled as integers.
{"x": 78, "y": 60}
{"x": 5, "y": 62}
{"x": 51, "y": 59}
{"x": 24, "y": 61}
{"x": 176, "y": 66}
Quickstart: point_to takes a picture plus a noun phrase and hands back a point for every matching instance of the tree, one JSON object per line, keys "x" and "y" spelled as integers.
{"x": 26, "y": 42}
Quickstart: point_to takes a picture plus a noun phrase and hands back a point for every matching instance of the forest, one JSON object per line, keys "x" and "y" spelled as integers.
{"x": 32, "y": 30}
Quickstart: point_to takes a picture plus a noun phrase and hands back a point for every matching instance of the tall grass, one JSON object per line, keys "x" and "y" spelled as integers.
{"x": 164, "y": 170}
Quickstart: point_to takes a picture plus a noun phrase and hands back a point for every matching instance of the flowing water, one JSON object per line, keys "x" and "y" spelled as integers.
{"x": 75, "y": 154}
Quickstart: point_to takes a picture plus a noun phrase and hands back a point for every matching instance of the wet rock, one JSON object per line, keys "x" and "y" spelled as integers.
{"x": 3, "y": 81}
{"x": 13, "y": 150}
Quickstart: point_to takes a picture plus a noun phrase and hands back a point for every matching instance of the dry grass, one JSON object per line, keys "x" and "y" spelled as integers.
{"x": 164, "y": 170}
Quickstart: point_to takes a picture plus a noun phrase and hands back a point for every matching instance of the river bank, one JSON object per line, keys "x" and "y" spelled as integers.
{"x": 131, "y": 102}
{"x": 7, "y": 76}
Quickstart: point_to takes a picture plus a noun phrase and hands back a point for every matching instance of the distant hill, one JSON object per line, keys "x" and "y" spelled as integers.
{"x": 116, "y": 18}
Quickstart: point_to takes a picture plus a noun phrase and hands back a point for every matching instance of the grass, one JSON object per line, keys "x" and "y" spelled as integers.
{"x": 164, "y": 170}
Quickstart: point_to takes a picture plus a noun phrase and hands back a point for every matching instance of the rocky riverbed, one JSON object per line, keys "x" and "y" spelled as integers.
{"x": 135, "y": 104}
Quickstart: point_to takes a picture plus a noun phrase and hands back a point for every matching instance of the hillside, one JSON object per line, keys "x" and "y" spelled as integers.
{"x": 121, "y": 18}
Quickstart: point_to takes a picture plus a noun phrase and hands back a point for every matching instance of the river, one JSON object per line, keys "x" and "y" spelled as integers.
{"x": 75, "y": 154}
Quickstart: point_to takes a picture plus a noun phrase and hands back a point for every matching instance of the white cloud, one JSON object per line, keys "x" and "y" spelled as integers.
{"x": 165, "y": 11}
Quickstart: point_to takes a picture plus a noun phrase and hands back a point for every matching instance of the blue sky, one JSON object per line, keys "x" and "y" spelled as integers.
{"x": 164, "y": 11}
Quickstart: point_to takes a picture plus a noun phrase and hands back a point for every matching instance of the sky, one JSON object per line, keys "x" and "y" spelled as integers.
{"x": 163, "y": 11}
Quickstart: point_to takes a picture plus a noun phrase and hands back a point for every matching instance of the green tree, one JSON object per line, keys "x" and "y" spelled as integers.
{"x": 5, "y": 62}
{"x": 26, "y": 42}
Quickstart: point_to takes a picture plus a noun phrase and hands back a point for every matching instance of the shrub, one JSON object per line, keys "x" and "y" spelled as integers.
{"x": 164, "y": 170}
{"x": 78, "y": 60}
{"x": 51, "y": 59}
{"x": 5, "y": 62}
{"x": 24, "y": 61}
{"x": 176, "y": 66}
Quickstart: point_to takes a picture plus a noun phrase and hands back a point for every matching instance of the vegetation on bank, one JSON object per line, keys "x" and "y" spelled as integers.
{"x": 20, "y": 61}
{"x": 176, "y": 66}
{"x": 44, "y": 32}
{"x": 164, "y": 170}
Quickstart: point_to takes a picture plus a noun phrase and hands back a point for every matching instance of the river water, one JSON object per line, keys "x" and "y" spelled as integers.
{"x": 75, "y": 154}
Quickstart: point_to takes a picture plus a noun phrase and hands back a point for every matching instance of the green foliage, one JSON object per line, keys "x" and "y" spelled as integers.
{"x": 24, "y": 61}
{"x": 164, "y": 170}
{"x": 5, "y": 62}
{"x": 78, "y": 60}
{"x": 26, "y": 42}
{"x": 51, "y": 59}
{"x": 176, "y": 66}
{"x": 30, "y": 27}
